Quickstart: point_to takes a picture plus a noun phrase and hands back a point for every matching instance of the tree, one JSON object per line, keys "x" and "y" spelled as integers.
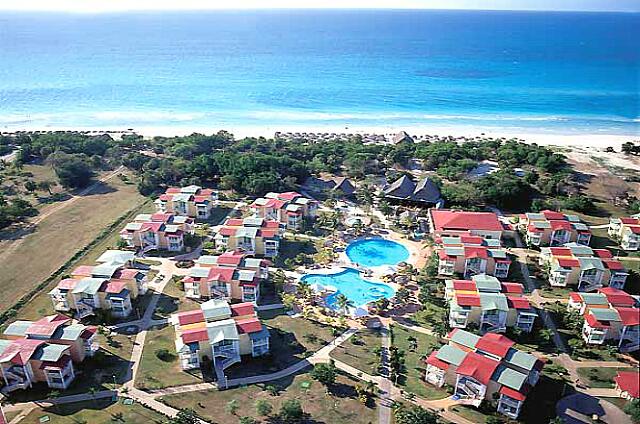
{"x": 185, "y": 416}
{"x": 343, "y": 303}
{"x": 263, "y": 407}
{"x": 304, "y": 290}
{"x": 414, "y": 415}
{"x": 324, "y": 373}
{"x": 633, "y": 410}
{"x": 288, "y": 300}
{"x": 30, "y": 186}
{"x": 232, "y": 407}
{"x": 385, "y": 208}
{"x": 291, "y": 411}
{"x": 279, "y": 279}
{"x": 72, "y": 170}
{"x": 247, "y": 420}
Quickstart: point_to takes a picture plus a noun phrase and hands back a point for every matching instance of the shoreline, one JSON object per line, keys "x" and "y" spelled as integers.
{"x": 547, "y": 138}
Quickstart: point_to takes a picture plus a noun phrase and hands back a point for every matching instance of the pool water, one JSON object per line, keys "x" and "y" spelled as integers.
{"x": 350, "y": 283}
{"x": 376, "y": 252}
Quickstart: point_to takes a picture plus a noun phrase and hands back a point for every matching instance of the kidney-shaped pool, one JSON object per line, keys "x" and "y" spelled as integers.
{"x": 376, "y": 252}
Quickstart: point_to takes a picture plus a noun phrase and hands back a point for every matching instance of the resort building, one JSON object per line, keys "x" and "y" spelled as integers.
{"x": 626, "y": 231}
{"x": 550, "y": 228}
{"x": 340, "y": 185}
{"x": 44, "y": 351}
{"x": 582, "y": 267}
{"x": 628, "y": 384}
{"x": 610, "y": 314}
{"x": 252, "y": 236}
{"x": 218, "y": 335}
{"x": 491, "y": 305}
{"x": 230, "y": 276}
{"x": 110, "y": 286}
{"x": 484, "y": 368}
{"x": 158, "y": 231}
{"x": 290, "y": 208}
{"x": 192, "y": 201}
{"x": 451, "y": 223}
{"x": 405, "y": 190}
{"x": 471, "y": 255}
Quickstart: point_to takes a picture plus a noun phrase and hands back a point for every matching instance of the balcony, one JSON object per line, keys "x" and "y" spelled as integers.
{"x": 618, "y": 280}
{"x": 446, "y": 268}
{"x": 509, "y": 407}
{"x": 84, "y": 309}
{"x": 189, "y": 361}
{"x": 558, "y": 279}
{"x": 589, "y": 282}
{"x": 493, "y": 323}
{"x": 458, "y": 320}
{"x": 584, "y": 239}
{"x": 502, "y": 270}
{"x": 17, "y": 379}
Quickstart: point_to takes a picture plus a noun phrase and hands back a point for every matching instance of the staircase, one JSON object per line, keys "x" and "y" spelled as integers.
{"x": 83, "y": 310}
{"x": 16, "y": 380}
{"x": 588, "y": 286}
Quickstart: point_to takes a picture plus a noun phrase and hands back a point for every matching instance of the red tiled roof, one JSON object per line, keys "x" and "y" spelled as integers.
{"x": 67, "y": 283}
{"x": 201, "y": 199}
{"x": 161, "y": 217}
{"x": 466, "y": 285}
{"x": 60, "y": 363}
{"x": 514, "y": 394}
{"x": 629, "y": 381}
{"x": 576, "y": 297}
{"x": 268, "y": 233}
{"x": 190, "y": 317}
{"x": 270, "y": 224}
{"x": 475, "y": 252}
{"x": 165, "y": 197}
{"x": 630, "y": 221}
{"x": 477, "y": 366}
{"x": 629, "y": 316}
{"x": 468, "y": 300}
{"x": 242, "y": 309}
{"x": 89, "y": 332}
{"x": 438, "y": 363}
{"x": 249, "y": 325}
{"x": 217, "y": 273}
{"x": 230, "y": 258}
{"x": 227, "y": 231}
{"x": 613, "y": 264}
{"x": 548, "y": 214}
{"x": 115, "y": 286}
{"x": 593, "y": 322}
{"x": 20, "y": 351}
{"x": 568, "y": 262}
{"x": 471, "y": 239}
{"x": 234, "y": 222}
{"x": 194, "y": 335}
{"x": 518, "y": 302}
{"x": 512, "y": 288}
{"x": 617, "y": 297}
{"x": 496, "y": 344}
{"x": 83, "y": 270}
{"x": 126, "y": 274}
{"x": 289, "y": 195}
{"x": 173, "y": 190}
{"x": 635, "y": 229}
{"x": 461, "y": 220}
{"x": 442, "y": 254}
{"x": 603, "y": 253}
{"x": 560, "y": 251}
{"x": 560, "y": 225}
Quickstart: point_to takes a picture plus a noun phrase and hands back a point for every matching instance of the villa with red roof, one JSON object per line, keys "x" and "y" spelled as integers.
{"x": 232, "y": 275}
{"x": 252, "y": 236}
{"x": 491, "y": 305}
{"x": 609, "y": 315}
{"x": 290, "y": 208}
{"x": 484, "y": 368}
{"x": 192, "y": 201}
{"x": 582, "y": 267}
{"x": 221, "y": 333}
{"x": 110, "y": 286}
{"x": 628, "y": 384}
{"x": 550, "y": 228}
{"x": 626, "y": 231}
{"x": 44, "y": 351}
{"x": 158, "y": 231}
{"x": 451, "y": 223}
{"x": 468, "y": 255}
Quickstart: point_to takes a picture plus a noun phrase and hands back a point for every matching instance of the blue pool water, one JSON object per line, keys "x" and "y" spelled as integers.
{"x": 377, "y": 252}
{"x": 350, "y": 283}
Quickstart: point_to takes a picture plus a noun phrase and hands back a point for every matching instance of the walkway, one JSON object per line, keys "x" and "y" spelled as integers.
{"x": 384, "y": 407}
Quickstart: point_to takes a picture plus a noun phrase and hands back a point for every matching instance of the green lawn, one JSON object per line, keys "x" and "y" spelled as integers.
{"x": 600, "y": 377}
{"x": 292, "y": 339}
{"x": 470, "y": 413}
{"x": 155, "y": 373}
{"x": 555, "y": 292}
{"x": 337, "y": 405}
{"x": 172, "y": 300}
{"x": 619, "y": 402}
{"x": 101, "y": 411}
{"x": 413, "y": 378}
{"x": 360, "y": 352}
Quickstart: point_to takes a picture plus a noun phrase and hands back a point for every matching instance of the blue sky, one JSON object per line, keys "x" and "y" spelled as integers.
{"x": 123, "y": 5}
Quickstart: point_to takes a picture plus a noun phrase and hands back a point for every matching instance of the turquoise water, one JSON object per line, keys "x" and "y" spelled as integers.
{"x": 535, "y": 71}
{"x": 376, "y": 252}
{"x": 350, "y": 283}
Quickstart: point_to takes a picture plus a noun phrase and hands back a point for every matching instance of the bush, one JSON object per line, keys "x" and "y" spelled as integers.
{"x": 164, "y": 355}
{"x": 291, "y": 411}
{"x": 263, "y": 407}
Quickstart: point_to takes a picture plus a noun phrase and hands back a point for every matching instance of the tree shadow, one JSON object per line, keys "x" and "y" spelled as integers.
{"x": 100, "y": 188}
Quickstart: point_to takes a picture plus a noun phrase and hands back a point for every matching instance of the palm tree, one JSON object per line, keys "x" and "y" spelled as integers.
{"x": 304, "y": 289}
{"x": 343, "y": 303}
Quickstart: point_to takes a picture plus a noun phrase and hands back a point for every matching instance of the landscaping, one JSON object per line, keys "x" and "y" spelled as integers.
{"x": 336, "y": 404}
{"x": 600, "y": 378}
{"x": 361, "y": 351}
{"x": 172, "y": 300}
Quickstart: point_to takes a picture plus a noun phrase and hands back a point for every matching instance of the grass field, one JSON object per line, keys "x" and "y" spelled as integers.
{"x": 601, "y": 378}
{"x": 100, "y": 411}
{"x": 413, "y": 379}
{"x": 29, "y": 260}
{"x": 339, "y": 404}
{"x": 172, "y": 300}
{"x": 360, "y": 355}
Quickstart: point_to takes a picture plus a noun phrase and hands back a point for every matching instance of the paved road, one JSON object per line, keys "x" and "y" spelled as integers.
{"x": 384, "y": 407}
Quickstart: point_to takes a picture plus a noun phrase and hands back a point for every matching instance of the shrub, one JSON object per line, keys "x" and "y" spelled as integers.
{"x": 164, "y": 355}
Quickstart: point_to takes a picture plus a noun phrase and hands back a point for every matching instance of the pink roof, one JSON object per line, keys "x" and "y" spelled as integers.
{"x": 468, "y": 300}
{"x": 496, "y": 344}
{"x": 47, "y": 326}
{"x": 568, "y": 263}
{"x": 195, "y": 335}
{"x": 613, "y": 264}
{"x": 268, "y": 233}
{"x": 227, "y": 231}
{"x": 629, "y": 316}
{"x": 630, "y": 221}
{"x": 126, "y": 274}
{"x": 603, "y": 253}
{"x": 466, "y": 285}
{"x": 560, "y": 225}
{"x": 89, "y": 332}
{"x": 617, "y": 297}
{"x": 629, "y": 381}
{"x": 289, "y": 195}
{"x": 575, "y": 297}
{"x": 514, "y": 394}
{"x": 635, "y": 229}
{"x": 234, "y": 222}
{"x": 67, "y": 283}
{"x": 202, "y": 199}
{"x": 462, "y": 220}
{"x": 438, "y": 363}
{"x": 442, "y": 254}
{"x": 230, "y": 258}
{"x": 249, "y": 325}
{"x": 475, "y": 252}
{"x": 471, "y": 239}
{"x": 115, "y": 286}
{"x": 20, "y": 351}
{"x": 270, "y": 224}
{"x": 518, "y": 303}
{"x": 165, "y": 197}
{"x": 205, "y": 192}
{"x": 478, "y": 367}
{"x": 161, "y": 217}
{"x": 83, "y": 270}
{"x": 217, "y": 273}
{"x": 532, "y": 229}
{"x": 190, "y": 317}
{"x": 242, "y": 309}
{"x": 173, "y": 190}
{"x": 152, "y": 226}
{"x": 548, "y": 214}
{"x": 512, "y": 288}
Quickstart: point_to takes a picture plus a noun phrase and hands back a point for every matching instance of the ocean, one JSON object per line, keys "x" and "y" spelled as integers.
{"x": 575, "y": 73}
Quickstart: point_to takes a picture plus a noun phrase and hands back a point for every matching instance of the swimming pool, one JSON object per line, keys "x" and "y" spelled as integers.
{"x": 376, "y": 252}
{"x": 350, "y": 283}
